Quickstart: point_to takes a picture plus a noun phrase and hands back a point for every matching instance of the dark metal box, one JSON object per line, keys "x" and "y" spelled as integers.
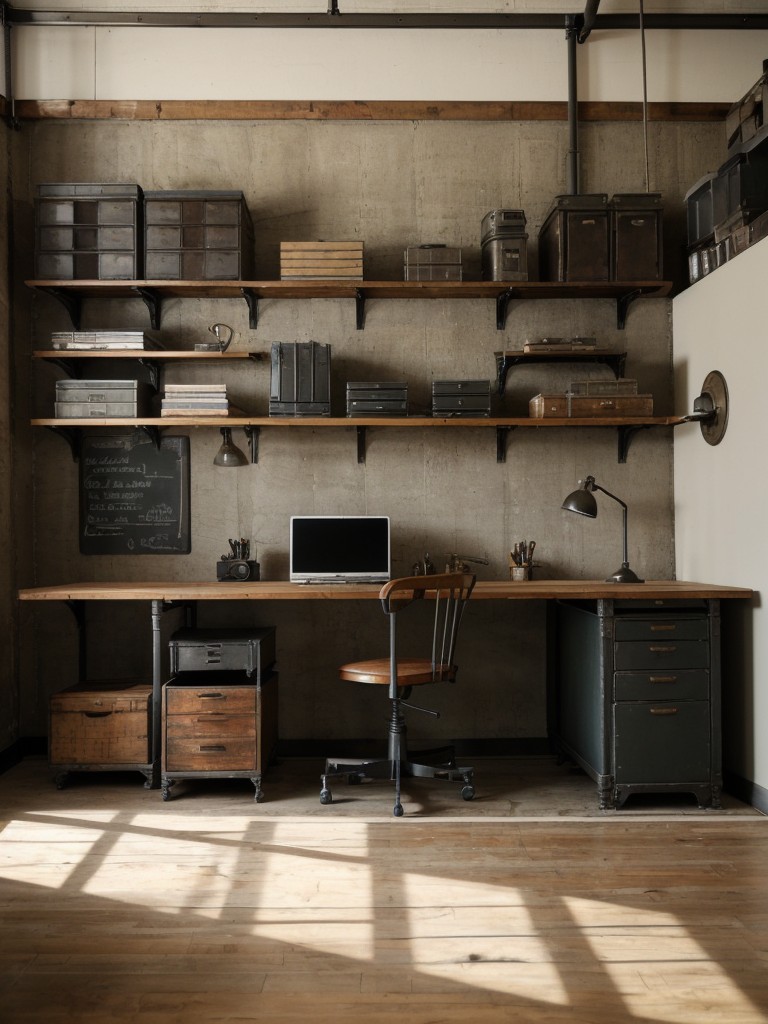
{"x": 377, "y": 398}
{"x": 574, "y": 240}
{"x": 700, "y": 212}
{"x": 76, "y": 399}
{"x": 90, "y": 231}
{"x": 300, "y": 379}
{"x": 637, "y": 228}
{"x": 502, "y": 223}
{"x": 461, "y": 398}
{"x": 197, "y": 235}
{"x": 223, "y": 650}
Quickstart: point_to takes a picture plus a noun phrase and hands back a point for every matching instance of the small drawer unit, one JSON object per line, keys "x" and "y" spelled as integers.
{"x": 100, "y": 726}
{"x": 198, "y": 236}
{"x": 251, "y": 651}
{"x": 639, "y": 696}
{"x": 88, "y": 231}
{"x": 220, "y": 725}
{"x": 461, "y": 398}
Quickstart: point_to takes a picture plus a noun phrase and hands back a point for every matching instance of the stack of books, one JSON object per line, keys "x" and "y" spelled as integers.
{"x": 321, "y": 261}
{"x": 194, "y": 400}
{"x": 101, "y": 340}
{"x": 560, "y": 345}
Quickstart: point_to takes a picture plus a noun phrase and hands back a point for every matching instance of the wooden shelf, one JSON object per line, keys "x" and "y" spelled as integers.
{"x": 72, "y": 293}
{"x": 625, "y": 426}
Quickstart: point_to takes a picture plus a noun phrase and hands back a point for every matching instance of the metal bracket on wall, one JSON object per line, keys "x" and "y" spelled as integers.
{"x": 623, "y": 302}
{"x": 359, "y": 309}
{"x": 253, "y": 434}
{"x": 625, "y": 437}
{"x": 73, "y": 437}
{"x": 502, "y": 434}
{"x": 72, "y": 302}
{"x": 252, "y": 301}
{"x": 505, "y": 361}
{"x": 502, "y": 305}
{"x": 153, "y": 303}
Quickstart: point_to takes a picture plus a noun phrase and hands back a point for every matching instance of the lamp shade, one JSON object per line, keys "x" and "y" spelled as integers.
{"x": 581, "y": 501}
{"x": 229, "y": 455}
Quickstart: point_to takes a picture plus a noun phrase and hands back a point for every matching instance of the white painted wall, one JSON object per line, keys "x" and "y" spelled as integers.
{"x": 346, "y": 64}
{"x": 721, "y": 492}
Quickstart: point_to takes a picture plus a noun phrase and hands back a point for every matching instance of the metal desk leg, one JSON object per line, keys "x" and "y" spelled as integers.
{"x": 157, "y": 691}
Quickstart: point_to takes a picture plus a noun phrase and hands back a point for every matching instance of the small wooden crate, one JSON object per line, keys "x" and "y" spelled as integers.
{"x": 321, "y": 260}
{"x": 100, "y": 724}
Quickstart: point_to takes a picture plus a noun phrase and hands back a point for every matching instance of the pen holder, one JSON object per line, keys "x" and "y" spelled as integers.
{"x": 519, "y": 573}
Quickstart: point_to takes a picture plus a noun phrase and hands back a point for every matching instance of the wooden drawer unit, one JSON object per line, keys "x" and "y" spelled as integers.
{"x": 218, "y": 725}
{"x": 100, "y": 726}
{"x": 638, "y": 703}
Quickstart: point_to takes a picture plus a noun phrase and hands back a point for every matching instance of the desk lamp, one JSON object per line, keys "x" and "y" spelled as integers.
{"x": 583, "y": 502}
{"x": 229, "y": 455}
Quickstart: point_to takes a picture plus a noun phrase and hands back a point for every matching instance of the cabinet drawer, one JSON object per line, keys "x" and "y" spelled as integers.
{"x": 211, "y": 726}
{"x": 659, "y": 628}
{"x": 662, "y": 742}
{"x": 683, "y": 684}
{"x": 192, "y": 754}
{"x": 661, "y": 654}
{"x": 198, "y": 700}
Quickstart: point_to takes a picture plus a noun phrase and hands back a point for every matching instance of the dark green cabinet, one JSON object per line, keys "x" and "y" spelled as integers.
{"x": 638, "y": 696}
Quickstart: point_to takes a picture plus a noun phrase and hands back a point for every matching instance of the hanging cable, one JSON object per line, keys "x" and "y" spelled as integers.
{"x": 645, "y": 99}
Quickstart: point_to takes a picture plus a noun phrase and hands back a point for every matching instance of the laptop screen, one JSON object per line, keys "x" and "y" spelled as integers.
{"x": 343, "y": 549}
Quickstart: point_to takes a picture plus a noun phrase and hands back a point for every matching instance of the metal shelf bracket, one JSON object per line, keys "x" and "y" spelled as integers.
{"x": 501, "y": 442}
{"x": 502, "y": 306}
{"x": 623, "y": 302}
{"x": 359, "y": 309}
{"x": 252, "y": 301}
{"x": 153, "y": 302}
{"x": 72, "y": 302}
{"x": 253, "y": 434}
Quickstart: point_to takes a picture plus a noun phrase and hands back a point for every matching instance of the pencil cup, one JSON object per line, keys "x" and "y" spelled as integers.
{"x": 518, "y": 573}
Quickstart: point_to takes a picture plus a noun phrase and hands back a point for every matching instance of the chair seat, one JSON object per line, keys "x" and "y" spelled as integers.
{"x": 410, "y": 672}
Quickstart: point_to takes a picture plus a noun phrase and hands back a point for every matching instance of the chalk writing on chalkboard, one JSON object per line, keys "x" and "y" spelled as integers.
{"x": 134, "y": 495}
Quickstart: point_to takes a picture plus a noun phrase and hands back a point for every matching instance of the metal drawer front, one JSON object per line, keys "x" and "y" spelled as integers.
{"x": 663, "y": 628}
{"x": 683, "y": 684}
{"x": 664, "y": 742}
{"x": 661, "y": 654}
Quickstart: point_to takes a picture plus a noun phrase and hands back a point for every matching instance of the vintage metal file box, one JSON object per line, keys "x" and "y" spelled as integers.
{"x": 636, "y": 230}
{"x": 504, "y": 246}
{"x": 88, "y": 231}
{"x": 574, "y": 240}
{"x": 432, "y": 263}
{"x": 100, "y": 725}
{"x": 377, "y": 398}
{"x": 102, "y": 398}
{"x": 461, "y": 398}
{"x": 197, "y": 235}
{"x": 300, "y": 382}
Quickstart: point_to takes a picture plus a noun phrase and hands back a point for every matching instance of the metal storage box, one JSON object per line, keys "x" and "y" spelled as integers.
{"x": 741, "y": 184}
{"x": 505, "y": 259}
{"x": 377, "y": 398}
{"x": 300, "y": 379}
{"x": 102, "y": 398}
{"x": 453, "y": 398}
{"x": 748, "y": 115}
{"x": 432, "y": 263}
{"x": 100, "y": 724}
{"x": 636, "y": 237}
{"x": 502, "y": 223}
{"x": 88, "y": 231}
{"x": 223, "y": 650}
{"x": 574, "y": 240}
{"x": 701, "y": 216}
{"x": 197, "y": 235}
{"x": 564, "y": 405}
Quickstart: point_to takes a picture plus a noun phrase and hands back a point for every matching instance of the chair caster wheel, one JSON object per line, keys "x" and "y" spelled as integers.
{"x": 326, "y": 797}
{"x": 398, "y": 810}
{"x": 468, "y": 793}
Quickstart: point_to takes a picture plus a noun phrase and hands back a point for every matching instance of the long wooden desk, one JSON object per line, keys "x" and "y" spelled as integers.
{"x": 166, "y": 595}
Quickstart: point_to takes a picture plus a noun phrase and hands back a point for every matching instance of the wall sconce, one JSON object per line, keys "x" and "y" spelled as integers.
{"x": 583, "y": 502}
{"x": 229, "y": 455}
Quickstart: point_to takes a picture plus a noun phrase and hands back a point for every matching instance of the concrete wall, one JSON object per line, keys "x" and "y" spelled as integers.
{"x": 391, "y": 184}
{"x": 721, "y": 491}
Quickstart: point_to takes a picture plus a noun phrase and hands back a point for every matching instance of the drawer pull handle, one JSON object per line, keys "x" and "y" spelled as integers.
{"x": 662, "y": 650}
{"x": 663, "y": 711}
{"x": 213, "y": 748}
{"x": 662, "y": 679}
{"x": 664, "y": 628}
{"x": 211, "y": 696}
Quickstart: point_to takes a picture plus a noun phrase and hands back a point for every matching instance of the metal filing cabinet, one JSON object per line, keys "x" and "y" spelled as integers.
{"x": 219, "y": 710}
{"x": 637, "y": 701}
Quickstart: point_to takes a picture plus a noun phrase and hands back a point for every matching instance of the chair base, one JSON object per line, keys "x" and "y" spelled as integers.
{"x": 425, "y": 764}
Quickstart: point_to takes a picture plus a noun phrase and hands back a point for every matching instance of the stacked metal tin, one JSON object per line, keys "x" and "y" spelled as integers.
{"x": 504, "y": 246}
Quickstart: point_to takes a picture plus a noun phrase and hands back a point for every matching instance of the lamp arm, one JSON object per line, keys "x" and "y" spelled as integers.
{"x": 597, "y": 487}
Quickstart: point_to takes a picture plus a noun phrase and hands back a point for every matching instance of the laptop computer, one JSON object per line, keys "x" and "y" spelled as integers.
{"x": 339, "y": 549}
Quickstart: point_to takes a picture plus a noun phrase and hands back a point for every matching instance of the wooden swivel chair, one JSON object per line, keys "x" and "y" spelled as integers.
{"x": 450, "y": 593}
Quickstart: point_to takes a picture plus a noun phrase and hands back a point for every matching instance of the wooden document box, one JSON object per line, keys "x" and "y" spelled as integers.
{"x": 563, "y": 405}
{"x": 100, "y": 725}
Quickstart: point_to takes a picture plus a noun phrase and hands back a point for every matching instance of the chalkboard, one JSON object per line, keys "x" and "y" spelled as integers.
{"x": 134, "y": 496}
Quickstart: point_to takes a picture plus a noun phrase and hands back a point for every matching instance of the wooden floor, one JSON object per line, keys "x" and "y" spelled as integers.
{"x": 118, "y": 907}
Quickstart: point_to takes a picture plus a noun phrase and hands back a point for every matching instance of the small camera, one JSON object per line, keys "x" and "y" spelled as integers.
{"x": 237, "y": 569}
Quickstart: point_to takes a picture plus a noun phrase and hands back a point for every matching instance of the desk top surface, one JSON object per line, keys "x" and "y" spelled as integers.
{"x": 277, "y": 590}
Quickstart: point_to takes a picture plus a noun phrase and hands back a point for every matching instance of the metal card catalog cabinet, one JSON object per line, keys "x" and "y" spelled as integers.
{"x": 638, "y": 696}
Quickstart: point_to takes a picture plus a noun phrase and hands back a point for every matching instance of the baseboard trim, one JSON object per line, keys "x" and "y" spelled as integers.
{"x": 747, "y": 791}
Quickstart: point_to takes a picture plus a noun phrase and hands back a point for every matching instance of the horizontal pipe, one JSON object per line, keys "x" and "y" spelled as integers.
{"x": 518, "y": 20}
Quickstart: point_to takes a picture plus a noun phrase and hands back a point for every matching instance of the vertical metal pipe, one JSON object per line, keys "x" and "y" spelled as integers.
{"x": 645, "y": 98}
{"x": 572, "y": 176}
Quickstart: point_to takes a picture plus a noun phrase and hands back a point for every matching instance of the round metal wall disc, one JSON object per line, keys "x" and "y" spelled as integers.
{"x": 714, "y": 386}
